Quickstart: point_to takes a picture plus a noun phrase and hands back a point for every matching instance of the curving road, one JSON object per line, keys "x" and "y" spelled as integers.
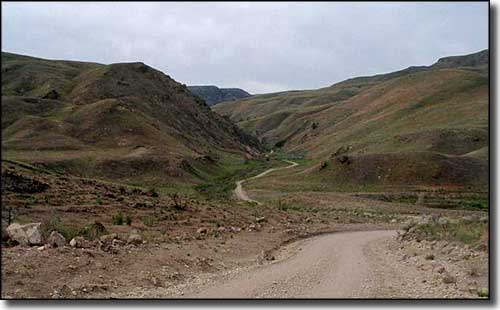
{"x": 329, "y": 266}
{"x": 240, "y": 192}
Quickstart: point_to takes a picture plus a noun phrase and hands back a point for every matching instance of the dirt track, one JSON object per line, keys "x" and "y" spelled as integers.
{"x": 330, "y": 266}
{"x": 240, "y": 192}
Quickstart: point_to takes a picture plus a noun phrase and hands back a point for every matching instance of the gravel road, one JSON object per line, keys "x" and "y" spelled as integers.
{"x": 240, "y": 192}
{"x": 329, "y": 266}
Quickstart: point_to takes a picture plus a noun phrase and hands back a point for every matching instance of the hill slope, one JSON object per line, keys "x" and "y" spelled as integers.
{"x": 213, "y": 94}
{"x": 438, "y": 110}
{"x": 109, "y": 120}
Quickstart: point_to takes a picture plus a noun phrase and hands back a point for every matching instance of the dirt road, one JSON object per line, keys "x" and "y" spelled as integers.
{"x": 329, "y": 266}
{"x": 240, "y": 192}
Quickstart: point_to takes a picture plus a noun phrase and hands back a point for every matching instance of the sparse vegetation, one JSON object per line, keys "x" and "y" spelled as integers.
{"x": 483, "y": 293}
{"x": 55, "y": 223}
{"x": 118, "y": 218}
{"x": 153, "y": 193}
{"x": 148, "y": 221}
{"x": 93, "y": 231}
{"x": 178, "y": 204}
{"x": 466, "y": 231}
{"x": 380, "y": 143}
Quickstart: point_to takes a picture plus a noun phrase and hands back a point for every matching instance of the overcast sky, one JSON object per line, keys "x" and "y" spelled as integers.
{"x": 260, "y": 47}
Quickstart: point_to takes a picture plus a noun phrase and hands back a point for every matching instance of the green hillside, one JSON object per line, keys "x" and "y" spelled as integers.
{"x": 439, "y": 110}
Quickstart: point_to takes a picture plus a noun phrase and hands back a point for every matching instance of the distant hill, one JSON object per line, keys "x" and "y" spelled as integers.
{"x": 213, "y": 95}
{"x": 433, "y": 120}
{"x": 114, "y": 121}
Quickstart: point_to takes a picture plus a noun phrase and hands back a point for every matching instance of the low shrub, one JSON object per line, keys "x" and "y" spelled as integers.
{"x": 118, "y": 219}
{"x": 93, "y": 231}
{"x": 55, "y": 223}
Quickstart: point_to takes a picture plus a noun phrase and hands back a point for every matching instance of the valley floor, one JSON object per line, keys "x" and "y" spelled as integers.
{"x": 336, "y": 245}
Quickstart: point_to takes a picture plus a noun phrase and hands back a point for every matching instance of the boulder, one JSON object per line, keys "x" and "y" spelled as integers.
{"x": 134, "y": 239}
{"x": 28, "y": 234}
{"x": 80, "y": 242}
{"x": 56, "y": 239}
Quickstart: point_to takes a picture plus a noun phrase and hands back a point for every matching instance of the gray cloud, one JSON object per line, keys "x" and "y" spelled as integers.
{"x": 261, "y": 47}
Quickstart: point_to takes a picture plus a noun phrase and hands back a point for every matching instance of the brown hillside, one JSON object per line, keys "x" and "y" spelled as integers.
{"x": 79, "y": 116}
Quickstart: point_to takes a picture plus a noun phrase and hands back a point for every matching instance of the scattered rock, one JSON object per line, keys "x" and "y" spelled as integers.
{"x": 221, "y": 229}
{"x": 467, "y": 218}
{"x": 412, "y": 229}
{"x": 109, "y": 194}
{"x": 28, "y": 234}
{"x": 235, "y": 229}
{"x": 449, "y": 279}
{"x": 56, "y": 239}
{"x": 202, "y": 230}
{"x": 344, "y": 160}
{"x": 108, "y": 238}
{"x": 80, "y": 242}
{"x": 134, "y": 239}
{"x": 260, "y": 219}
{"x": 117, "y": 243}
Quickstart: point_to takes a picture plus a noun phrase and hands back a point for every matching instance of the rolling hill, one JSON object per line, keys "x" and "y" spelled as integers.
{"x": 423, "y": 126}
{"x": 124, "y": 120}
{"x": 213, "y": 94}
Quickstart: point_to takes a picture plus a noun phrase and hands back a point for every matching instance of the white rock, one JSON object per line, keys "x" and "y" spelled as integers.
{"x": 28, "y": 234}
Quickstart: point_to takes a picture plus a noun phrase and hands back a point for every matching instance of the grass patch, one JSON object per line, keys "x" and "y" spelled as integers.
{"x": 477, "y": 204}
{"x": 470, "y": 232}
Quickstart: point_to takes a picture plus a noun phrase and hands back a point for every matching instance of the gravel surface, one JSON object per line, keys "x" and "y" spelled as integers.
{"x": 329, "y": 266}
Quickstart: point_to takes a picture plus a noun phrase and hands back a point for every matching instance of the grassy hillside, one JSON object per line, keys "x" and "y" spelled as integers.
{"x": 435, "y": 117}
{"x": 111, "y": 121}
